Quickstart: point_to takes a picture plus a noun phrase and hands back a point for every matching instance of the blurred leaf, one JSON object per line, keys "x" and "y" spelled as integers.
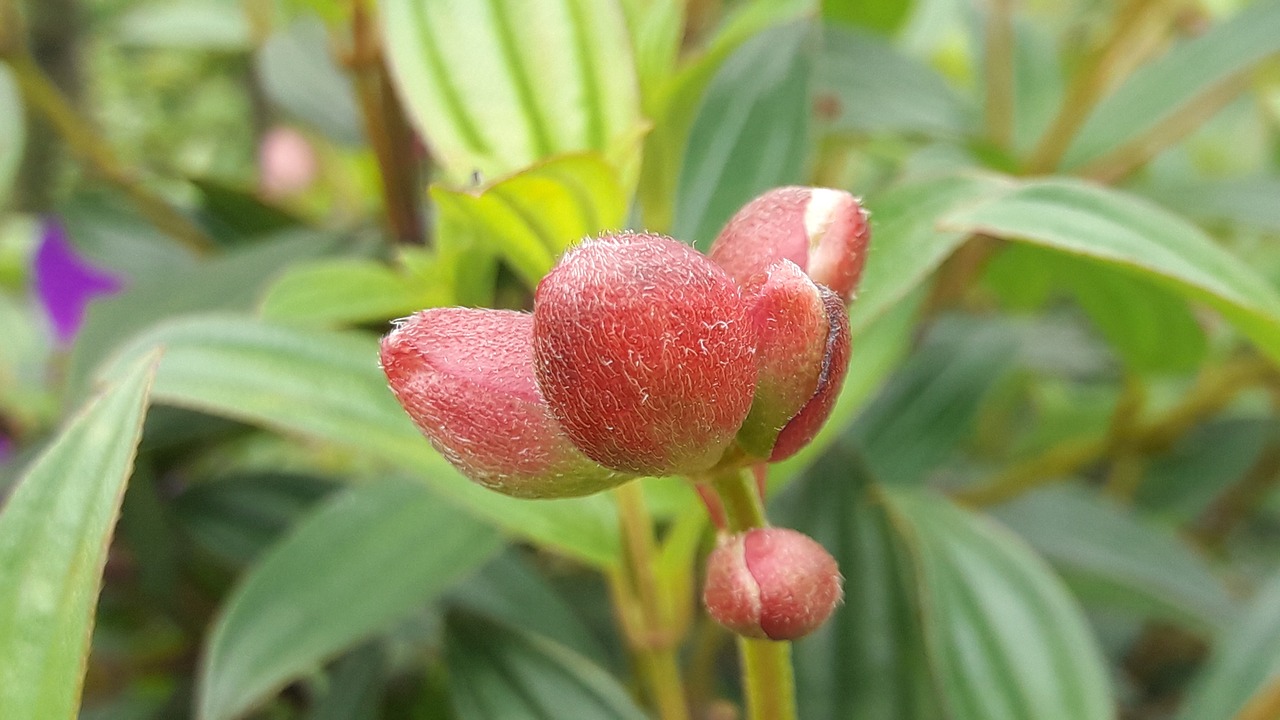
{"x": 298, "y": 74}
{"x": 24, "y": 355}
{"x": 346, "y": 291}
{"x": 327, "y": 385}
{"x": 1248, "y": 202}
{"x": 1151, "y": 328}
{"x": 1178, "y": 79}
{"x": 232, "y": 281}
{"x": 496, "y": 86}
{"x": 1038, "y": 82}
{"x": 868, "y": 661}
{"x": 884, "y": 16}
{"x": 530, "y": 218}
{"x": 1245, "y": 662}
{"x": 1107, "y": 226}
{"x": 498, "y": 671}
{"x": 355, "y": 566}
{"x": 907, "y": 244}
{"x": 198, "y": 25}
{"x": 110, "y": 232}
{"x": 353, "y": 687}
{"x": 1109, "y": 556}
{"x": 1181, "y": 483}
{"x": 1006, "y": 640}
{"x": 12, "y": 129}
{"x": 54, "y": 532}
{"x": 510, "y": 590}
{"x": 930, "y": 404}
{"x": 235, "y": 215}
{"x": 865, "y": 85}
{"x": 751, "y": 132}
{"x": 237, "y": 517}
{"x": 657, "y": 27}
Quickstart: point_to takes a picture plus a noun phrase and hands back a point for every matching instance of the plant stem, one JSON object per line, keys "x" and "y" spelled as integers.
{"x": 767, "y": 676}
{"x": 649, "y": 631}
{"x": 998, "y": 68}
{"x": 91, "y": 150}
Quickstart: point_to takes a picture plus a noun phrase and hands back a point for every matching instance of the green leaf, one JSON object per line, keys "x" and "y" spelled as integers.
{"x": 496, "y": 671}
{"x": 751, "y": 132}
{"x": 1111, "y": 227}
{"x": 347, "y": 291}
{"x": 1005, "y": 639}
{"x": 186, "y": 26}
{"x": 327, "y": 385}
{"x": 1112, "y": 557}
{"x": 906, "y": 242}
{"x": 237, "y": 215}
{"x": 1151, "y": 327}
{"x": 1245, "y": 662}
{"x": 1177, "y": 80}
{"x": 54, "y": 534}
{"x": 12, "y": 129}
{"x": 530, "y": 218}
{"x": 929, "y": 407}
{"x": 865, "y": 85}
{"x": 298, "y": 74}
{"x": 358, "y": 564}
{"x": 868, "y": 661}
{"x": 1248, "y": 202}
{"x": 657, "y": 27}
{"x": 495, "y": 86}
{"x": 884, "y": 16}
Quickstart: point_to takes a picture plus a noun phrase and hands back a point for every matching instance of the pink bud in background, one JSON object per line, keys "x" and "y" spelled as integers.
{"x": 645, "y": 354}
{"x": 771, "y": 583}
{"x": 823, "y": 231}
{"x": 791, "y": 326}
{"x": 466, "y": 378}
{"x": 286, "y": 163}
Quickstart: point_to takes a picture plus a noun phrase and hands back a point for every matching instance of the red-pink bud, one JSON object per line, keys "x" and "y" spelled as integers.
{"x": 644, "y": 353}
{"x": 772, "y": 583}
{"x": 466, "y": 378}
{"x": 835, "y": 365}
{"x": 822, "y": 231}
{"x": 791, "y": 325}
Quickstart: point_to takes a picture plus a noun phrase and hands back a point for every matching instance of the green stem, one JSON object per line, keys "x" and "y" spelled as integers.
{"x": 767, "y": 676}
{"x": 998, "y": 64}
{"x": 650, "y": 631}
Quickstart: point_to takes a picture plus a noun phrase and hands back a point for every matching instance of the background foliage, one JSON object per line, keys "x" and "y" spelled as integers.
{"x": 1050, "y": 480}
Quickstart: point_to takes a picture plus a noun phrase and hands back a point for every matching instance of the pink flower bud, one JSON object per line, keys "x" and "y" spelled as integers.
{"x": 645, "y": 354}
{"x": 466, "y": 378}
{"x": 772, "y": 583}
{"x": 823, "y": 231}
{"x": 287, "y": 163}
{"x": 835, "y": 365}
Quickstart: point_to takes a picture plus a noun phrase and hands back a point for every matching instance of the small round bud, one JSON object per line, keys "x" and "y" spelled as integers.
{"x": 644, "y": 353}
{"x": 771, "y": 583}
{"x": 466, "y": 379}
{"x": 823, "y": 231}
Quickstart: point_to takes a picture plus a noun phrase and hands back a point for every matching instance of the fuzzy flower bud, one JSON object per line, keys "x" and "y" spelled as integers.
{"x": 466, "y": 378}
{"x": 644, "y": 352}
{"x": 823, "y": 231}
{"x": 771, "y": 583}
{"x": 835, "y": 365}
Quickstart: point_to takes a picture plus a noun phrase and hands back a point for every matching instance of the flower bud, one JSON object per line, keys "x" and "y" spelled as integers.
{"x": 771, "y": 583}
{"x": 466, "y": 378}
{"x": 644, "y": 352}
{"x": 823, "y": 231}
{"x": 835, "y": 365}
{"x": 790, "y": 320}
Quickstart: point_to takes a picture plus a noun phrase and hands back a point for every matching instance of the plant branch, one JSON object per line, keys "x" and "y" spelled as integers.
{"x": 650, "y": 633}
{"x": 1137, "y": 28}
{"x": 92, "y": 151}
{"x": 998, "y": 68}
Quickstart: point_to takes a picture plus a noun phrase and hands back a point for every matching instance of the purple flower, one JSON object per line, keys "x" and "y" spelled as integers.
{"x": 65, "y": 282}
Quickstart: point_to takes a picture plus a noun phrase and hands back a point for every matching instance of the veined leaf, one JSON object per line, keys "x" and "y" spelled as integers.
{"x": 497, "y": 671}
{"x": 751, "y": 132}
{"x": 1245, "y": 663}
{"x": 1005, "y": 639}
{"x": 1111, "y": 556}
{"x": 327, "y": 385}
{"x": 496, "y": 85}
{"x": 1178, "y": 79}
{"x": 361, "y": 562}
{"x": 530, "y": 218}
{"x": 1108, "y": 226}
{"x": 54, "y": 534}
